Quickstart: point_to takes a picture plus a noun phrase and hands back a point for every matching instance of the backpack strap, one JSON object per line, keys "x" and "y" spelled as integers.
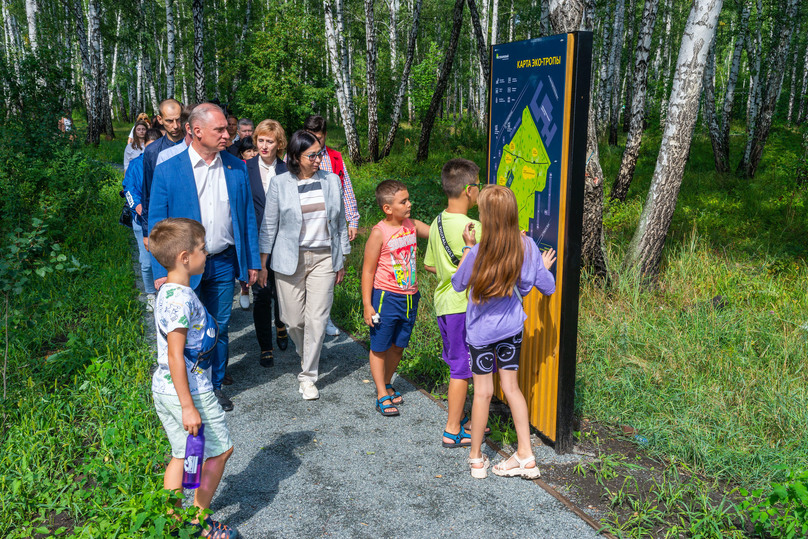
{"x": 445, "y": 243}
{"x": 337, "y": 166}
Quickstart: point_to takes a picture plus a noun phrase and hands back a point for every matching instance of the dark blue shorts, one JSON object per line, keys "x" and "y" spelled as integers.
{"x": 397, "y": 312}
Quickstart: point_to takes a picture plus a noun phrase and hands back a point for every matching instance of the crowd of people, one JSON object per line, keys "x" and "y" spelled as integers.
{"x": 217, "y": 200}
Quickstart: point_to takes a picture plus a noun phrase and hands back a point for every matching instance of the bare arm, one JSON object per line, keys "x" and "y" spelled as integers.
{"x": 421, "y": 229}
{"x": 373, "y": 248}
{"x": 191, "y": 419}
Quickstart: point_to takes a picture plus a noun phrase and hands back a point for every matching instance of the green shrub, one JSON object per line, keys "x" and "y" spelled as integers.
{"x": 781, "y": 510}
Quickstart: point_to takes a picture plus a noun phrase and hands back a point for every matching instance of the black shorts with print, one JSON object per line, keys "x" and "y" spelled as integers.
{"x": 505, "y": 353}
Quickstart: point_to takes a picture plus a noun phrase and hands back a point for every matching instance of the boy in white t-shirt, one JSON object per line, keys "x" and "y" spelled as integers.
{"x": 181, "y": 387}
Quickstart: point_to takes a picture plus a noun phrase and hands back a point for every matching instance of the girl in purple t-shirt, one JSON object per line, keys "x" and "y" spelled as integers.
{"x": 504, "y": 260}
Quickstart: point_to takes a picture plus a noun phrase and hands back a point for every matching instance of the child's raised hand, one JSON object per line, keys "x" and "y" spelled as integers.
{"x": 548, "y": 257}
{"x": 470, "y": 235}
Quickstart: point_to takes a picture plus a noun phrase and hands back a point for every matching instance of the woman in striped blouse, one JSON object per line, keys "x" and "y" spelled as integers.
{"x": 305, "y": 231}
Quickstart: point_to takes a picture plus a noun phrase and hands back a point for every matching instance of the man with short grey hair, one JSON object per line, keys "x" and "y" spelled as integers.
{"x": 211, "y": 186}
{"x": 245, "y": 129}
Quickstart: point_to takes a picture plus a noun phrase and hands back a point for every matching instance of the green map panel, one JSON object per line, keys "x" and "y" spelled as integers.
{"x": 523, "y": 167}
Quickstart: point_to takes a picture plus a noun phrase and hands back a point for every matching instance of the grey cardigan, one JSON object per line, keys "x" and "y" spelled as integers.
{"x": 283, "y": 219}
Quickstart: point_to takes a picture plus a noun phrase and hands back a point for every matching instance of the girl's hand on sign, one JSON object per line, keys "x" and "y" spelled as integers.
{"x": 548, "y": 257}
{"x": 470, "y": 235}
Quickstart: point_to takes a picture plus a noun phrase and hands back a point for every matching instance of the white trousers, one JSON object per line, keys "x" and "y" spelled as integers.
{"x": 305, "y": 298}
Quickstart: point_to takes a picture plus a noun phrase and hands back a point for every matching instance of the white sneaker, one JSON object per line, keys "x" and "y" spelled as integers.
{"x": 150, "y": 299}
{"x": 330, "y": 329}
{"x": 309, "y": 391}
{"x": 244, "y": 301}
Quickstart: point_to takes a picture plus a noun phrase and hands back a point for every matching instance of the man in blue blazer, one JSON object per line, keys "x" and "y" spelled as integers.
{"x": 211, "y": 186}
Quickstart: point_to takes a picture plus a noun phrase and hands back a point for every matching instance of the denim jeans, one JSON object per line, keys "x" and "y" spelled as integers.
{"x": 215, "y": 291}
{"x": 145, "y": 259}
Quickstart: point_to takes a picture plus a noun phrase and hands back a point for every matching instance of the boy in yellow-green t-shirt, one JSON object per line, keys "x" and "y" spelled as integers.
{"x": 460, "y": 179}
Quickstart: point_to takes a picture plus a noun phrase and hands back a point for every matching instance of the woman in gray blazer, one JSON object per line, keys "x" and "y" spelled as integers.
{"x": 305, "y": 230}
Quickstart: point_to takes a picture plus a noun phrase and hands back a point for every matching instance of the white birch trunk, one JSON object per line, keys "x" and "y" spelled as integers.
{"x": 495, "y": 22}
{"x": 30, "y": 14}
{"x": 637, "y": 110}
{"x": 804, "y": 92}
{"x": 114, "y": 69}
{"x": 479, "y": 35}
{"x": 545, "y": 18}
{"x": 722, "y": 160}
{"x": 344, "y": 96}
{"x": 615, "y": 82}
{"x": 373, "y": 99}
{"x": 405, "y": 80}
{"x": 754, "y": 51}
{"x": 645, "y": 250}
{"x": 793, "y": 92}
{"x": 777, "y": 62}
{"x": 569, "y": 16}
{"x": 171, "y": 44}
{"x": 199, "y": 55}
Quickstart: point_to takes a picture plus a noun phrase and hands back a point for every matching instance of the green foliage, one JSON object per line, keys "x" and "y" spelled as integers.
{"x": 424, "y": 76}
{"x": 781, "y": 510}
{"x": 284, "y": 74}
{"x": 81, "y": 451}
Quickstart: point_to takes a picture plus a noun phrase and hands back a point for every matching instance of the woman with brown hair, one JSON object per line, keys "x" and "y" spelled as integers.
{"x": 136, "y": 143}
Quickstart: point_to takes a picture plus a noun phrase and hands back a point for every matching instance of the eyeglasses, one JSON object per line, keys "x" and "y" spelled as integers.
{"x": 314, "y": 156}
{"x": 477, "y": 185}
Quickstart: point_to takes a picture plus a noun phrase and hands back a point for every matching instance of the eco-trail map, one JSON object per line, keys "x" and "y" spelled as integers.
{"x": 527, "y": 122}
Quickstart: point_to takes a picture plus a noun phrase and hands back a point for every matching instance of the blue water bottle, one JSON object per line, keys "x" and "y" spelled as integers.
{"x": 194, "y": 456}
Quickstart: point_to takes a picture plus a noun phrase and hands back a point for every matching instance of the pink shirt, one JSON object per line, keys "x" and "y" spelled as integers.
{"x": 395, "y": 270}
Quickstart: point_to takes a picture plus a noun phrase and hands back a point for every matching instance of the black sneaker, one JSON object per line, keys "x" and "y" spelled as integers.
{"x": 281, "y": 337}
{"x": 227, "y": 380}
{"x": 224, "y": 402}
{"x": 267, "y": 360}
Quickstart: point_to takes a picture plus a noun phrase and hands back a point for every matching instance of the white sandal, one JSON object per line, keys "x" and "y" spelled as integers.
{"x": 479, "y": 473}
{"x": 518, "y": 471}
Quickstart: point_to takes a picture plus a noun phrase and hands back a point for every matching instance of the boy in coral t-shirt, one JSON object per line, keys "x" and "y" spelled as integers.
{"x": 390, "y": 289}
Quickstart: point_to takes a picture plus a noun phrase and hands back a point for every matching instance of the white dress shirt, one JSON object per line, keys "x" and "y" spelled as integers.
{"x": 214, "y": 203}
{"x": 267, "y": 172}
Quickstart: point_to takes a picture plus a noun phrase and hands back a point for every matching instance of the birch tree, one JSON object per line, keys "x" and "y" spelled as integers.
{"x": 30, "y": 13}
{"x": 569, "y": 16}
{"x": 772, "y": 91}
{"x": 338, "y": 54}
{"x": 199, "y": 57}
{"x": 480, "y": 32}
{"x": 405, "y": 80}
{"x": 443, "y": 79}
{"x": 171, "y": 43}
{"x": 615, "y": 61}
{"x": 637, "y": 111}
{"x": 372, "y": 92}
{"x": 645, "y": 250}
{"x": 721, "y": 144}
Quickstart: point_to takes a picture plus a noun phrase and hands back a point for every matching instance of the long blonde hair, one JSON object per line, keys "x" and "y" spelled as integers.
{"x": 501, "y": 252}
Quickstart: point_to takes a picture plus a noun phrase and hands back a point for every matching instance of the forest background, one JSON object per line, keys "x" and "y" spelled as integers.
{"x": 694, "y": 316}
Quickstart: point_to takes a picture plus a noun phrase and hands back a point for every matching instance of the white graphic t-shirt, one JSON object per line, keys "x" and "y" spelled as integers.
{"x": 178, "y": 307}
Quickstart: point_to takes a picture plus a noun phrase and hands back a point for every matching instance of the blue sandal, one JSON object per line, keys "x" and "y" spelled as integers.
{"x": 384, "y": 409}
{"x": 466, "y": 419}
{"x": 462, "y": 435}
{"x": 395, "y": 395}
{"x": 216, "y": 530}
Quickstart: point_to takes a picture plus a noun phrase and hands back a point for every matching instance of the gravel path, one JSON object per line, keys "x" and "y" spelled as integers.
{"x": 335, "y": 467}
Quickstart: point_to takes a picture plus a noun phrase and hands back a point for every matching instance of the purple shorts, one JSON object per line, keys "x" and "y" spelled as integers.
{"x": 455, "y": 350}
